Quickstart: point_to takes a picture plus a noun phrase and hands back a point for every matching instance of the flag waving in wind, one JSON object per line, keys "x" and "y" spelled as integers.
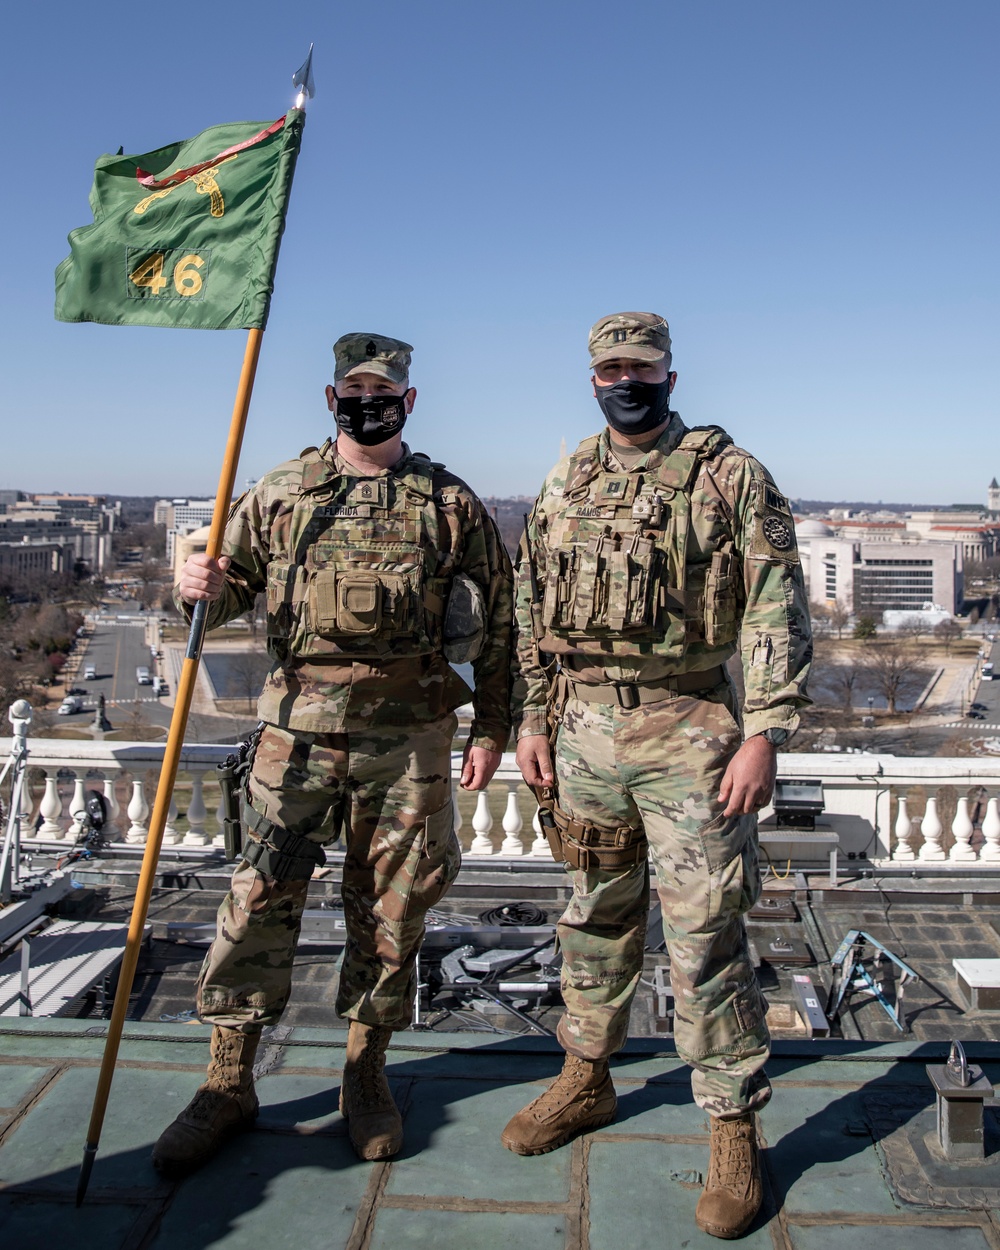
{"x": 186, "y": 236}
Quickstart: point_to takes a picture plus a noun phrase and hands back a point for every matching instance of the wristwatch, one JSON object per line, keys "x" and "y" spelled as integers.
{"x": 776, "y": 736}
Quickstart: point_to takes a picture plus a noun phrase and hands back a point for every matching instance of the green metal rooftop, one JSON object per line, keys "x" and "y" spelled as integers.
{"x": 849, "y": 1161}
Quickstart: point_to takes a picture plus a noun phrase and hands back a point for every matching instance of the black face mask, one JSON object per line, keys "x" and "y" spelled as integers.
{"x": 635, "y": 407}
{"x": 370, "y": 419}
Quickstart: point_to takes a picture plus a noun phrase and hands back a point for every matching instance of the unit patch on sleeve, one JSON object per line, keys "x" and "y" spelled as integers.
{"x": 777, "y": 532}
{"x": 773, "y": 535}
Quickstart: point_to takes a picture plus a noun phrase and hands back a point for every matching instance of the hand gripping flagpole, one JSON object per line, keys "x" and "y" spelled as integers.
{"x": 302, "y": 79}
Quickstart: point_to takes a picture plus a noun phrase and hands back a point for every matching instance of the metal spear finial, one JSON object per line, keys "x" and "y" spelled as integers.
{"x": 303, "y": 79}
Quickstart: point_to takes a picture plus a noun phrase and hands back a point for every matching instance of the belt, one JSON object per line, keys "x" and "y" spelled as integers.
{"x": 631, "y": 694}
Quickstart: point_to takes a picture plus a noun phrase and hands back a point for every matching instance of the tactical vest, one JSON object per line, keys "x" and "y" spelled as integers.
{"x": 621, "y": 575}
{"x": 357, "y": 565}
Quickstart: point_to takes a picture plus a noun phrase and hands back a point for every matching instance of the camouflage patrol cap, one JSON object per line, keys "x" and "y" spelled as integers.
{"x": 629, "y": 336}
{"x": 371, "y": 353}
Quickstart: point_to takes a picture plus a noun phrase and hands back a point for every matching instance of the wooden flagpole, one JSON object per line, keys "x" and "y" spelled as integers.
{"x": 168, "y": 773}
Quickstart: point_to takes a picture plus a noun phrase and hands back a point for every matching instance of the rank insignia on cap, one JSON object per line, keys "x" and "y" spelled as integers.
{"x": 621, "y": 336}
{"x": 370, "y": 348}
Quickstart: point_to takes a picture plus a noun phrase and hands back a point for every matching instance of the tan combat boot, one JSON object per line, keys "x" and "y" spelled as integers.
{"x": 225, "y": 1104}
{"x": 732, "y": 1194}
{"x": 373, "y": 1120}
{"x": 580, "y": 1097}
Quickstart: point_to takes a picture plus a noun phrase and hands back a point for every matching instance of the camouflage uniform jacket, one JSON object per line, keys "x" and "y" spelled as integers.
{"x": 734, "y": 581}
{"x": 314, "y": 525}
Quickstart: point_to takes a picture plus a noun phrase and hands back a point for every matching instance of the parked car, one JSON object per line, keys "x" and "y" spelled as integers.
{"x": 160, "y": 686}
{"x": 142, "y": 676}
{"x": 73, "y": 703}
{"x": 89, "y": 672}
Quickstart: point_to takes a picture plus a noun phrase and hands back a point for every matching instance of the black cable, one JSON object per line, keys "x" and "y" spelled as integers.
{"x": 525, "y": 914}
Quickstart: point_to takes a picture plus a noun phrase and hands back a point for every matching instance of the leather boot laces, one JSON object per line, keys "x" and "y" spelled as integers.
{"x": 734, "y": 1155}
{"x": 565, "y": 1087}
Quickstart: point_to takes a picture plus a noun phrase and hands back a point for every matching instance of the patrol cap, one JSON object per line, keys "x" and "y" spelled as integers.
{"x": 371, "y": 353}
{"x": 629, "y": 336}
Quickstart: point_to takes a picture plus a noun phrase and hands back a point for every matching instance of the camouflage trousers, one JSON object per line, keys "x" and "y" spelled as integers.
{"x": 659, "y": 766}
{"x": 389, "y": 790}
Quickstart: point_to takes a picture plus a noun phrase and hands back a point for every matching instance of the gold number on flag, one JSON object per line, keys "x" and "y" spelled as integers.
{"x": 150, "y": 273}
{"x": 187, "y": 279}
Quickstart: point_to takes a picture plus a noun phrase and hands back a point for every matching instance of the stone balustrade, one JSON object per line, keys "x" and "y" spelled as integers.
{"x": 922, "y": 815}
{"x": 61, "y": 773}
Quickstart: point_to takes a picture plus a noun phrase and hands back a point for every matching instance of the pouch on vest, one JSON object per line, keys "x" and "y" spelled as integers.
{"x": 464, "y": 629}
{"x": 720, "y": 599}
{"x": 358, "y": 603}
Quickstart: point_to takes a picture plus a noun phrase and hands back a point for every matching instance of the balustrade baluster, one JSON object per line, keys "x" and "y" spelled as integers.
{"x": 77, "y": 808}
{"x": 933, "y": 831}
{"x": 197, "y": 813}
{"x": 112, "y": 830}
{"x": 991, "y": 833}
{"x": 904, "y": 834}
{"x": 482, "y": 822}
{"x": 171, "y": 834}
{"x": 51, "y": 809}
{"x": 540, "y": 847}
{"x": 137, "y": 810}
{"x": 512, "y": 826}
{"x": 961, "y": 827}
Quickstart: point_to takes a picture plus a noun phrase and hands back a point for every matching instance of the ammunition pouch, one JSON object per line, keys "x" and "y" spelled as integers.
{"x": 231, "y": 775}
{"x": 279, "y": 853}
{"x": 585, "y": 846}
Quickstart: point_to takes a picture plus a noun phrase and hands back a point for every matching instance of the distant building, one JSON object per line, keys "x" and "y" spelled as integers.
{"x": 84, "y": 522}
{"x": 871, "y": 575}
{"x": 35, "y": 557}
{"x": 979, "y": 536}
{"x": 181, "y": 516}
{"x": 993, "y": 497}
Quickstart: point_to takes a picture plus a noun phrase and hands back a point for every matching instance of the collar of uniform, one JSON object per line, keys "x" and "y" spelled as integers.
{"x": 351, "y": 470}
{"x": 664, "y": 445}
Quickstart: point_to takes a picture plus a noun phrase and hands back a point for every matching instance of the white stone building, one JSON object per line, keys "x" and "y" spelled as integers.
{"x": 872, "y": 574}
{"x": 181, "y": 516}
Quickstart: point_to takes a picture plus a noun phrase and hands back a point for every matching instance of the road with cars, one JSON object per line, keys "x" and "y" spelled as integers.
{"x": 116, "y": 648}
{"x": 986, "y": 706}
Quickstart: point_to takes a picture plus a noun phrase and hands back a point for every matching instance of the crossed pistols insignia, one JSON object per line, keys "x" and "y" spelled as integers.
{"x": 204, "y": 183}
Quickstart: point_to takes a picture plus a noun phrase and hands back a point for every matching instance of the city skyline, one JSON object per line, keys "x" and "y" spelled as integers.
{"x": 806, "y": 194}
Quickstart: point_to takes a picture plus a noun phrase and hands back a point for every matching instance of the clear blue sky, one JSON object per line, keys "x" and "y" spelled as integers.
{"x": 808, "y": 192}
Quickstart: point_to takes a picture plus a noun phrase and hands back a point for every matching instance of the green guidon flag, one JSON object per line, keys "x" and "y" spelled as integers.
{"x": 185, "y": 236}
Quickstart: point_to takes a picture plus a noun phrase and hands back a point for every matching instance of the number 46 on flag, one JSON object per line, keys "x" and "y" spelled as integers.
{"x": 185, "y": 236}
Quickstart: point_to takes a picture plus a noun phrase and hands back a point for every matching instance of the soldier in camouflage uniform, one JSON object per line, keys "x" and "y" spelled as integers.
{"x": 655, "y": 554}
{"x": 380, "y": 568}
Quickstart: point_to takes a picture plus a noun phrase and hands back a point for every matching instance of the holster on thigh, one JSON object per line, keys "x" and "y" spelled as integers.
{"x": 279, "y": 853}
{"x": 584, "y": 845}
